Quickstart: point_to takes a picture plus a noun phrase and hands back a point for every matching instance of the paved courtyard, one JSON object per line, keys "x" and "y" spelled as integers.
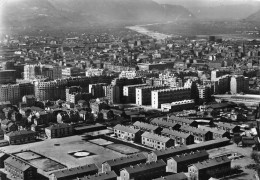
{"x": 58, "y": 149}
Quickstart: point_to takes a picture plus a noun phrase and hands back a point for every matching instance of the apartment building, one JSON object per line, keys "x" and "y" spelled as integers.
{"x": 169, "y": 95}
{"x": 144, "y": 94}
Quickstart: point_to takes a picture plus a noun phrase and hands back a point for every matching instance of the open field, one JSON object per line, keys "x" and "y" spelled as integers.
{"x": 58, "y": 149}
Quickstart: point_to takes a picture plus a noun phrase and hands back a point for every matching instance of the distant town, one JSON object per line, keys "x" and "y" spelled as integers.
{"x": 126, "y": 104}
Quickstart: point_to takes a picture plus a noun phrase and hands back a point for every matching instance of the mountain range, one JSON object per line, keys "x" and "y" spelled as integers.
{"x": 218, "y": 9}
{"x": 83, "y": 13}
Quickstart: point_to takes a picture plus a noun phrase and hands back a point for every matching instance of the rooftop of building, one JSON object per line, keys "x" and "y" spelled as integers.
{"x": 74, "y": 171}
{"x": 143, "y": 125}
{"x": 162, "y": 122}
{"x": 156, "y": 137}
{"x": 58, "y": 126}
{"x": 211, "y": 162}
{"x": 20, "y": 133}
{"x": 18, "y": 164}
{"x": 126, "y": 159}
{"x": 189, "y": 156}
{"x": 175, "y": 133}
{"x": 139, "y": 168}
{"x": 126, "y": 129}
{"x": 193, "y": 130}
{"x": 101, "y": 176}
{"x": 178, "y": 176}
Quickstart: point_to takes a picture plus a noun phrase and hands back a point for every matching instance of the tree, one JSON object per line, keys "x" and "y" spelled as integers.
{"x": 237, "y": 139}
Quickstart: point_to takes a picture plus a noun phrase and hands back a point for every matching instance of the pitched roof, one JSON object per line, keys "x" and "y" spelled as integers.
{"x": 156, "y": 137}
{"x": 75, "y": 171}
{"x": 211, "y": 162}
{"x": 226, "y": 125}
{"x": 179, "y": 119}
{"x": 205, "y": 144}
{"x": 126, "y": 129}
{"x": 163, "y": 123}
{"x": 21, "y": 132}
{"x": 189, "y": 156}
{"x": 213, "y": 130}
{"x": 170, "y": 151}
{"x": 145, "y": 167}
{"x": 127, "y": 159}
{"x": 178, "y": 176}
{"x": 101, "y": 176}
{"x": 17, "y": 163}
{"x": 58, "y": 126}
{"x": 175, "y": 133}
{"x": 142, "y": 125}
{"x": 193, "y": 130}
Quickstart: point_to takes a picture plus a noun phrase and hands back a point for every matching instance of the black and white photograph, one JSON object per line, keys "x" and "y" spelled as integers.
{"x": 129, "y": 89}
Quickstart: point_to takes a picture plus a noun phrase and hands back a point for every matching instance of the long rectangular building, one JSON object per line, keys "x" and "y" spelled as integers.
{"x": 143, "y": 94}
{"x": 119, "y": 163}
{"x": 129, "y": 92}
{"x": 143, "y": 171}
{"x": 162, "y": 96}
{"x": 180, "y": 163}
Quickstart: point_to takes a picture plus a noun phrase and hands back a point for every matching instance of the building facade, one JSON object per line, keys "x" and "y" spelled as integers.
{"x": 144, "y": 94}
{"x": 58, "y": 130}
{"x": 169, "y": 95}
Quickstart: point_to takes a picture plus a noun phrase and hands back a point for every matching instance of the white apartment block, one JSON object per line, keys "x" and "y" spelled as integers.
{"x": 143, "y": 94}
{"x": 169, "y": 95}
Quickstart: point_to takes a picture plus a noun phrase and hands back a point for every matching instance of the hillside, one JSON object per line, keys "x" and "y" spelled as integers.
{"x": 88, "y": 12}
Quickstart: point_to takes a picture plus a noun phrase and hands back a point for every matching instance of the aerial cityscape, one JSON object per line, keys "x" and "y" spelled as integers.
{"x": 129, "y": 90}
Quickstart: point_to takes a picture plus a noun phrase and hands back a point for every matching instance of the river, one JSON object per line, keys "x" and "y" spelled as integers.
{"x": 143, "y": 30}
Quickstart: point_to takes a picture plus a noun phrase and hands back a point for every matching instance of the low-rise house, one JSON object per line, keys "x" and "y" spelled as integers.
{"x": 147, "y": 127}
{"x": 199, "y": 134}
{"x": 231, "y": 128}
{"x": 156, "y": 141}
{"x": 164, "y": 154}
{"x": 180, "y": 138}
{"x": 217, "y": 133}
{"x": 128, "y": 133}
{"x": 182, "y": 121}
{"x": 180, "y": 163}
{"x": 164, "y": 123}
{"x": 209, "y": 168}
{"x": 58, "y": 130}
{"x": 178, "y": 106}
{"x": 75, "y": 172}
{"x": 143, "y": 171}
{"x": 109, "y": 175}
{"x": 19, "y": 169}
{"x": 20, "y": 137}
{"x": 178, "y": 176}
{"x": 119, "y": 163}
